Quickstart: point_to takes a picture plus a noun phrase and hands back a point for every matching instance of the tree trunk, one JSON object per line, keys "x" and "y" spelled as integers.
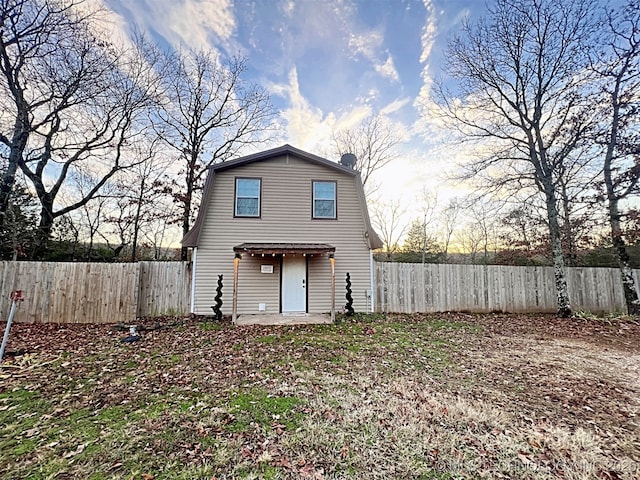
{"x": 184, "y": 252}
{"x": 6, "y": 187}
{"x": 555, "y": 235}
{"x": 619, "y": 245}
{"x": 134, "y": 240}
{"x": 626, "y": 274}
{"x": 16, "y": 149}
{"x": 90, "y": 248}
{"x": 571, "y": 256}
{"x": 44, "y": 229}
{"x": 136, "y": 222}
{"x": 18, "y": 145}
{"x": 186, "y": 214}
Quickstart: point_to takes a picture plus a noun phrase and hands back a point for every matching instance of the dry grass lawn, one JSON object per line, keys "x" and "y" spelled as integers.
{"x": 447, "y": 396}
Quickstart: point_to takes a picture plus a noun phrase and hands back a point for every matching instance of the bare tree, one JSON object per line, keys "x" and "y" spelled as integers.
{"x": 71, "y": 100}
{"x": 374, "y": 142}
{"x": 210, "y": 115}
{"x": 470, "y": 240}
{"x": 422, "y": 235}
{"x": 155, "y": 235}
{"x": 616, "y": 66}
{"x": 479, "y": 234}
{"x": 519, "y": 77}
{"x": 449, "y": 221}
{"x": 524, "y": 233}
{"x": 484, "y": 215}
{"x": 428, "y": 202}
{"x": 144, "y": 190}
{"x": 28, "y": 34}
{"x": 92, "y": 212}
{"x": 387, "y": 219}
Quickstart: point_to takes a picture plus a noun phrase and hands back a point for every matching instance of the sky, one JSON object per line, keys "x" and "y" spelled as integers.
{"x": 328, "y": 64}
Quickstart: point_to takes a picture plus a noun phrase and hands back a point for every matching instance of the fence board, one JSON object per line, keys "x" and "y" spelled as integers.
{"x": 408, "y": 288}
{"x": 165, "y": 288}
{"x": 94, "y": 292}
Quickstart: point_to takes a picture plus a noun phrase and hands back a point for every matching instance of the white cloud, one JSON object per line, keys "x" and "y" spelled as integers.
{"x": 194, "y": 21}
{"x": 288, "y": 8}
{"x": 193, "y": 24}
{"x": 428, "y": 39}
{"x": 394, "y": 106}
{"x": 423, "y": 101}
{"x": 429, "y": 31}
{"x": 353, "y": 118}
{"x": 308, "y": 127}
{"x": 366, "y": 44}
{"x": 112, "y": 24}
{"x": 370, "y": 96}
{"x": 388, "y": 69}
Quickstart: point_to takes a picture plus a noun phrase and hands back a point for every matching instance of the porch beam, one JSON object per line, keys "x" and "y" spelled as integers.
{"x": 234, "y": 310}
{"x": 332, "y": 260}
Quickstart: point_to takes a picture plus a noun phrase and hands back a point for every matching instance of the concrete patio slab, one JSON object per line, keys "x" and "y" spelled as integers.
{"x": 284, "y": 319}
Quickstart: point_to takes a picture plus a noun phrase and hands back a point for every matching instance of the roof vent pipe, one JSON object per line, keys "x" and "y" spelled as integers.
{"x": 348, "y": 160}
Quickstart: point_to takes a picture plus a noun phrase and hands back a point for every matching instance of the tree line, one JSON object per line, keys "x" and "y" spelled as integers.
{"x": 471, "y": 230}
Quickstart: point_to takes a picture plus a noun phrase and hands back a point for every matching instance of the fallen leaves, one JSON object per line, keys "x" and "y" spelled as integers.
{"x": 79, "y": 449}
{"x": 548, "y": 375}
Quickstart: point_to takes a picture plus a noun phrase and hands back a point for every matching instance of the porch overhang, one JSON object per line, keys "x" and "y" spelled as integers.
{"x": 284, "y": 248}
{"x": 309, "y": 249}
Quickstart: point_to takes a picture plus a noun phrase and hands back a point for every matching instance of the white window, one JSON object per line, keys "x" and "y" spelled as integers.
{"x": 248, "y": 197}
{"x": 324, "y": 199}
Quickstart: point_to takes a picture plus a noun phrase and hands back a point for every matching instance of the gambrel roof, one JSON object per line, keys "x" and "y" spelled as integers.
{"x": 191, "y": 239}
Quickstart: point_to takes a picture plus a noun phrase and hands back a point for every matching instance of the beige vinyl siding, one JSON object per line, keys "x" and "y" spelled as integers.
{"x": 265, "y": 287}
{"x": 286, "y": 217}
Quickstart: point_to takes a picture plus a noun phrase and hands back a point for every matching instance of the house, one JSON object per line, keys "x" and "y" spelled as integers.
{"x": 283, "y": 227}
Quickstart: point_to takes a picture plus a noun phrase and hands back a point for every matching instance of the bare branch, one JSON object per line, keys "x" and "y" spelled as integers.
{"x": 374, "y": 142}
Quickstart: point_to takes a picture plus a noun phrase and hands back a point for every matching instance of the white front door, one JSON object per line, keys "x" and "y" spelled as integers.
{"x": 294, "y": 284}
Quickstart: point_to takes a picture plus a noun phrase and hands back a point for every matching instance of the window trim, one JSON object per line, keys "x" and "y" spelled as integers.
{"x": 313, "y": 200}
{"x": 235, "y": 197}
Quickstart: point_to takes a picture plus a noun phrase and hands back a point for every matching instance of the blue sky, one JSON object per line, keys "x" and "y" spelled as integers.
{"x": 326, "y": 63}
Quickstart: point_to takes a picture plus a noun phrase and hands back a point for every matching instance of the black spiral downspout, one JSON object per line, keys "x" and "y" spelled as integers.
{"x": 216, "y": 308}
{"x": 349, "y": 306}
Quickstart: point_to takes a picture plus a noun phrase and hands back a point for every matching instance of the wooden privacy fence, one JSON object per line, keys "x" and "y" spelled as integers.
{"x": 411, "y": 287}
{"x": 120, "y": 292}
{"x": 57, "y": 292}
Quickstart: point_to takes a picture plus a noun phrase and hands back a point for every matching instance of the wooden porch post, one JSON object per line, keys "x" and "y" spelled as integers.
{"x": 234, "y": 311}
{"x": 332, "y": 260}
